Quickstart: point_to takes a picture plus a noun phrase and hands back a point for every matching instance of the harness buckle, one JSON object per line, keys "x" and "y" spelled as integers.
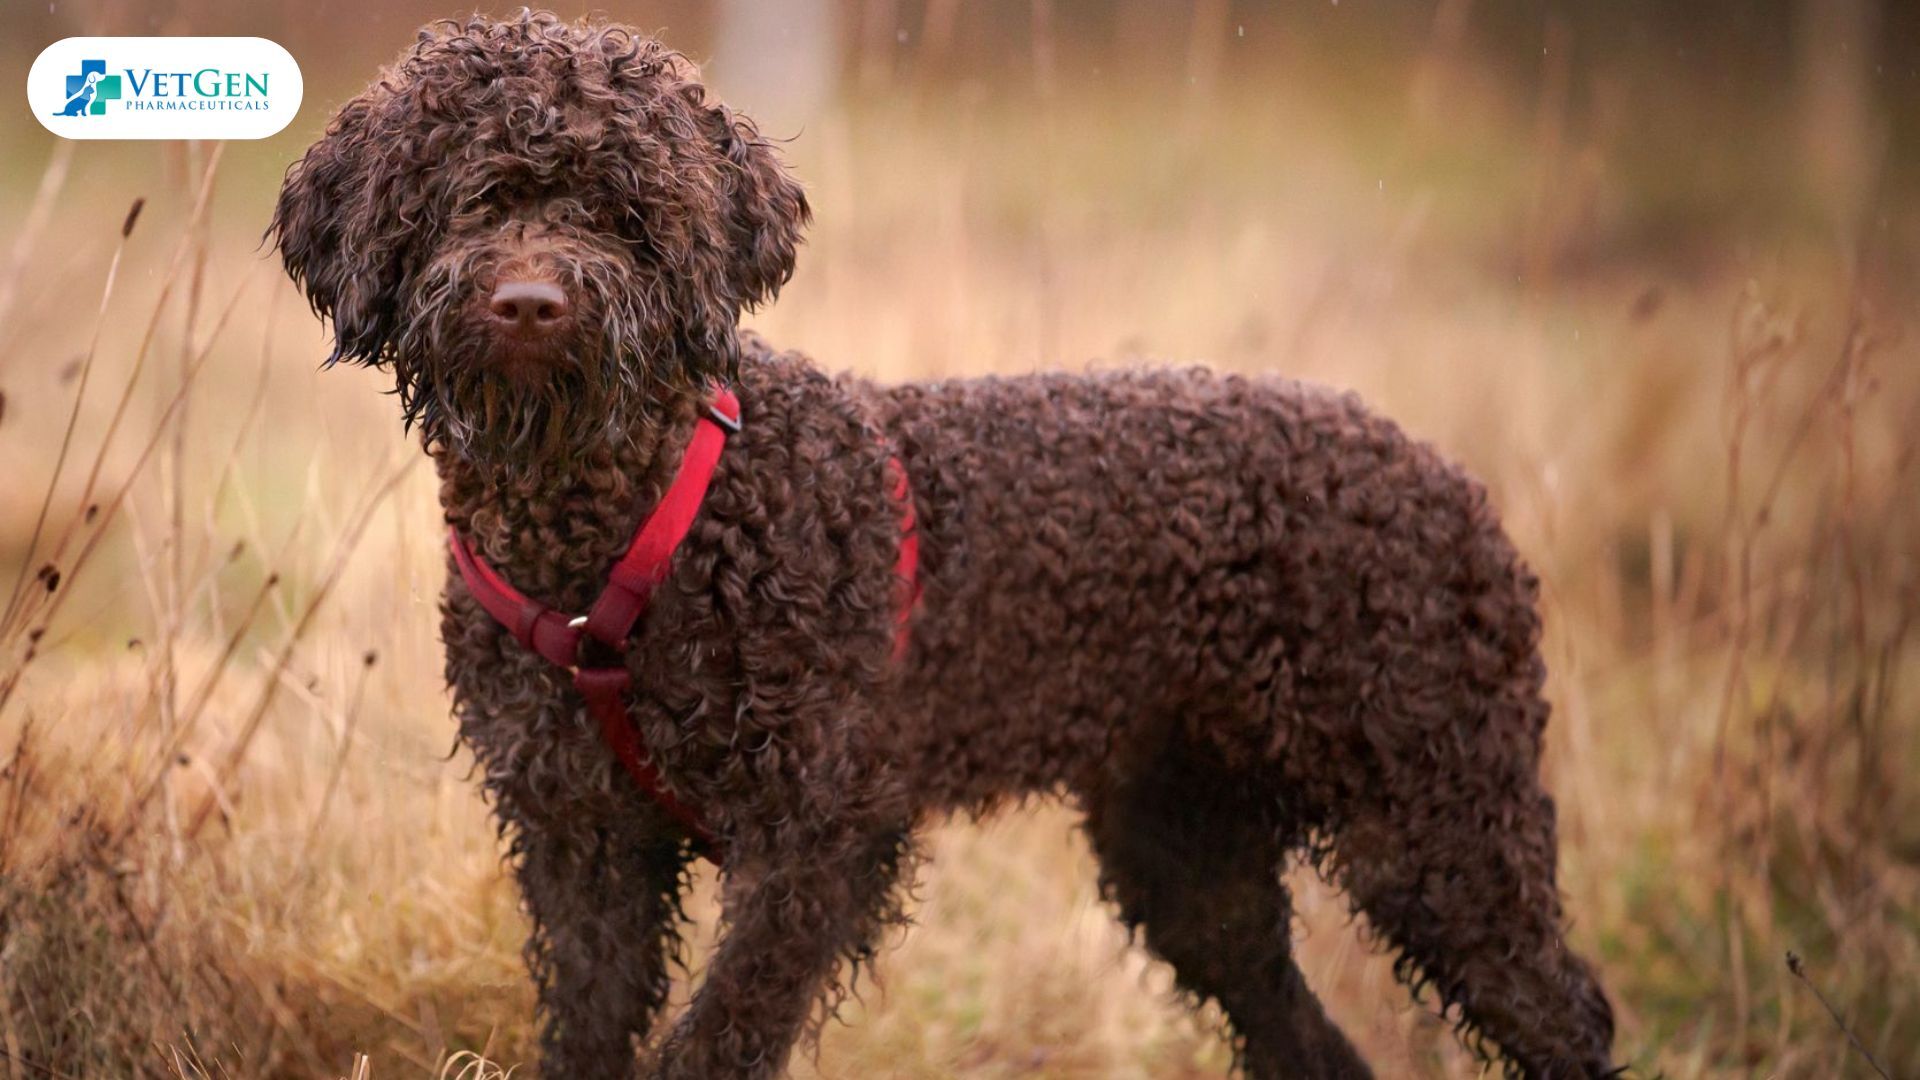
{"x": 587, "y": 641}
{"x": 578, "y": 622}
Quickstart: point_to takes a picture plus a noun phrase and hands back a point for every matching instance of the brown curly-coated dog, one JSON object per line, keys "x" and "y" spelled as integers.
{"x": 1233, "y": 620}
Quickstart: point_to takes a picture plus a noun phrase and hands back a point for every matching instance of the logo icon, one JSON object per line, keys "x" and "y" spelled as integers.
{"x": 89, "y": 91}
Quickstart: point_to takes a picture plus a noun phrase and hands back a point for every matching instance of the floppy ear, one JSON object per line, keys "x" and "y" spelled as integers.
{"x": 350, "y": 279}
{"x": 768, "y": 208}
{"x": 745, "y": 252}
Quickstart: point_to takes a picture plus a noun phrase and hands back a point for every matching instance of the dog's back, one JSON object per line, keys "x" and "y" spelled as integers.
{"x": 1106, "y": 553}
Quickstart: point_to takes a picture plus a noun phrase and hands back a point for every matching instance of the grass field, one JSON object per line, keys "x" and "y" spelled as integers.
{"x": 236, "y": 838}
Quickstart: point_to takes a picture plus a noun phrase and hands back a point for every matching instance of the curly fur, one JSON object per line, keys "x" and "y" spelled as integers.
{"x": 1234, "y": 620}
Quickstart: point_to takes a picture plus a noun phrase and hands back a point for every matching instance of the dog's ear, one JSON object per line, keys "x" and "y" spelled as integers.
{"x": 768, "y": 208}
{"x": 333, "y": 236}
{"x": 749, "y": 253}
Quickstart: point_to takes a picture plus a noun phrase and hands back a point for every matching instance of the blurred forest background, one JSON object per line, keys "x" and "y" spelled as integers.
{"x": 1649, "y": 269}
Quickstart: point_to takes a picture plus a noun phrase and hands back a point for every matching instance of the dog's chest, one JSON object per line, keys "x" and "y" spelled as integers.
{"x": 551, "y": 544}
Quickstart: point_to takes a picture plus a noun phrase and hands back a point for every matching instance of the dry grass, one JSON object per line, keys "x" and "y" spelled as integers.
{"x": 233, "y": 842}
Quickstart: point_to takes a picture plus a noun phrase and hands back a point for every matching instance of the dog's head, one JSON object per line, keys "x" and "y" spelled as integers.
{"x": 538, "y": 226}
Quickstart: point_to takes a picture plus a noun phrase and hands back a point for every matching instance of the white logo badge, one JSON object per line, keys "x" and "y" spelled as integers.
{"x": 164, "y": 88}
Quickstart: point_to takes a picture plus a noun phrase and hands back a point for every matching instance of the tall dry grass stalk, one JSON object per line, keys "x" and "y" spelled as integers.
{"x": 104, "y": 925}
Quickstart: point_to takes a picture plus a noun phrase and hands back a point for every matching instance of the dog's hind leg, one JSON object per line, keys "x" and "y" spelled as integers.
{"x": 1193, "y": 857}
{"x": 1450, "y": 854}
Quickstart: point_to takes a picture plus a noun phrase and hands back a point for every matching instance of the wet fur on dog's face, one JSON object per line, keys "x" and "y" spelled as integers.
{"x": 575, "y": 155}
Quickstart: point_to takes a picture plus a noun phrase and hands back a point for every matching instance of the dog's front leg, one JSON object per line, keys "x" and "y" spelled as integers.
{"x": 795, "y": 905}
{"x": 605, "y": 906}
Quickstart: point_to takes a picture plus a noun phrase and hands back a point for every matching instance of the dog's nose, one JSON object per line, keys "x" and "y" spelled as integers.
{"x": 528, "y": 307}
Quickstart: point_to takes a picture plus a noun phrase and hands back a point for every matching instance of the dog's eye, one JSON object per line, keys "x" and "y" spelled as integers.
{"x": 473, "y": 214}
{"x": 631, "y": 230}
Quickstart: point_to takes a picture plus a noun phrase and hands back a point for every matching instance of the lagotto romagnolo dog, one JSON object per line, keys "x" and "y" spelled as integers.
{"x": 1231, "y": 620}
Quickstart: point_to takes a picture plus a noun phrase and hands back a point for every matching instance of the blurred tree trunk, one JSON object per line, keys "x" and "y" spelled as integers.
{"x": 1143, "y": 31}
{"x": 1839, "y": 133}
{"x": 777, "y": 62}
{"x": 1441, "y": 65}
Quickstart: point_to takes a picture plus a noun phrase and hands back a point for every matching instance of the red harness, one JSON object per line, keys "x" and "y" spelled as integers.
{"x": 558, "y": 636}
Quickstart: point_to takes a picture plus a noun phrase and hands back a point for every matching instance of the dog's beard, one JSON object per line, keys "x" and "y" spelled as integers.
{"x": 541, "y": 412}
{"x": 556, "y": 410}
{"x": 519, "y": 425}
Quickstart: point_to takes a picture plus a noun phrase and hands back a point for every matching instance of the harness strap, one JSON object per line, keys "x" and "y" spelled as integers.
{"x": 630, "y": 584}
{"x": 533, "y": 624}
{"x": 645, "y": 565}
{"x": 906, "y": 569}
{"x": 605, "y": 692}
